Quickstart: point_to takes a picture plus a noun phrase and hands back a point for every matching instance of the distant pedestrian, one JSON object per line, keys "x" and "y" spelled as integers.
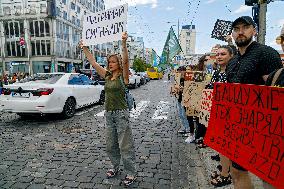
{"x": 251, "y": 65}
{"x": 119, "y": 139}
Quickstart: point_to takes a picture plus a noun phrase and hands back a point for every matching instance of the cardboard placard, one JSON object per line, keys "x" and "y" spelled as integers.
{"x": 246, "y": 125}
{"x": 205, "y": 106}
{"x": 191, "y": 96}
{"x": 105, "y": 26}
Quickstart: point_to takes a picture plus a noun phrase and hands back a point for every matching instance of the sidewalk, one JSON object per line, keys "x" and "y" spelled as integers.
{"x": 197, "y": 166}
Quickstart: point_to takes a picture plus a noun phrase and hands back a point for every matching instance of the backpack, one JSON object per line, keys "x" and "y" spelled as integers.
{"x": 130, "y": 101}
{"x": 276, "y": 78}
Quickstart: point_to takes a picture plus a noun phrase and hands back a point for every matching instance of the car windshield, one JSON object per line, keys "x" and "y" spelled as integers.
{"x": 43, "y": 78}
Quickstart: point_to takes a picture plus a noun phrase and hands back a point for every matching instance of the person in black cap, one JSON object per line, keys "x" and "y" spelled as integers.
{"x": 251, "y": 65}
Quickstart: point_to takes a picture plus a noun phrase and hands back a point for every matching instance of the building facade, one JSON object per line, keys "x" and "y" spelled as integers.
{"x": 43, "y": 35}
{"x": 187, "y": 39}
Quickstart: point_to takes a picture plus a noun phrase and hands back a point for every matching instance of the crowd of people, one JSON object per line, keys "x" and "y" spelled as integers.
{"x": 12, "y": 78}
{"x": 249, "y": 62}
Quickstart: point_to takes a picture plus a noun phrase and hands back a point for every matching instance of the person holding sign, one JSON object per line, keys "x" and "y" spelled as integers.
{"x": 224, "y": 54}
{"x": 251, "y": 65}
{"x": 119, "y": 139}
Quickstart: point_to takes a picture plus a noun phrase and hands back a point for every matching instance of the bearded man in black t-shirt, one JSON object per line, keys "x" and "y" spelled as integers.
{"x": 252, "y": 65}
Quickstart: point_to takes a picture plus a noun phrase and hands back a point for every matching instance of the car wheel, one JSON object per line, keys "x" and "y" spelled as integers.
{"x": 69, "y": 108}
{"x": 102, "y": 98}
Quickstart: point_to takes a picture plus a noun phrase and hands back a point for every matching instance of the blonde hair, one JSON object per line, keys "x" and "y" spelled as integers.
{"x": 119, "y": 60}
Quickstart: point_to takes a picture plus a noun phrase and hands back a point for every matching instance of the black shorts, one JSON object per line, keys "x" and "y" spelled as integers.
{"x": 238, "y": 167}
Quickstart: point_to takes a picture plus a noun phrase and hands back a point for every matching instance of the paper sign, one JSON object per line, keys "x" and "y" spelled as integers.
{"x": 105, "y": 26}
{"x": 205, "y": 106}
{"x": 221, "y": 29}
{"x": 191, "y": 96}
{"x": 246, "y": 125}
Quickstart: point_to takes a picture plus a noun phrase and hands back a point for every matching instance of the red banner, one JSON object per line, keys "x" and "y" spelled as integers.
{"x": 246, "y": 125}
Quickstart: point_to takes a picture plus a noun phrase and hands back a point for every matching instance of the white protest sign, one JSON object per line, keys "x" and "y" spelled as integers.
{"x": 105, "y": 26}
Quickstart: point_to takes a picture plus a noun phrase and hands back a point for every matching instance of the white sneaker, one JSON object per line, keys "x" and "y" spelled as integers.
{"x": 190, "y": 139}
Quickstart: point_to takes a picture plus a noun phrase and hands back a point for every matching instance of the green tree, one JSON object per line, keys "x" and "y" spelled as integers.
{"x": 139, "y": 65}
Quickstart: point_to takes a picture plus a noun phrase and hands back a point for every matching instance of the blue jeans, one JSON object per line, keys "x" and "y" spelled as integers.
{"x": 182, "y": 116}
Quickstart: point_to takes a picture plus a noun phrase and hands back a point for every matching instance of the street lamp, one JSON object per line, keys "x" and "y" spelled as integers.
{"x": 175, "y": 25}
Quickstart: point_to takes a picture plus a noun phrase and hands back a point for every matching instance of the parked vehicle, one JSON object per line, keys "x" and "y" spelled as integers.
{"x": 154, "y": 73}
{"x": 93, "y": 75}
{"x": 47, "y": 93}
{"x": 134, "y": 79}
{"x": 144, "y": 77}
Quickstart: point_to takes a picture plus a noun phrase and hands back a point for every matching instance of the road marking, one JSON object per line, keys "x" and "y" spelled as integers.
{"x": 139, "y": 109}
{"x": 161, "y": 110}
{"x": 101, "y": 114}
{"x": 85, "y": 111}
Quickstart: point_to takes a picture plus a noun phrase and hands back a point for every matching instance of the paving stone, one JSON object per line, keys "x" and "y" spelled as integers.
{"x": 71, "y": 184}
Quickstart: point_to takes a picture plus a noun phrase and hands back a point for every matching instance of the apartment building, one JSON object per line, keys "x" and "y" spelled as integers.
{"x": 188, "y": 39}
{"x": 42, "y": 35}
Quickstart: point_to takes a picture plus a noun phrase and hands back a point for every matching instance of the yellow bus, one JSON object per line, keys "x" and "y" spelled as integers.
{"x": 153, "y": 73}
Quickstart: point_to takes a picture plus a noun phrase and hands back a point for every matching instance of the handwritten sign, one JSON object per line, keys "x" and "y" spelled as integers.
{"x": 105, "y": 26}
{"x": 205, "y": 106}
{"x": 246, "y": 125}
{"x": 191, "y": 96}
{"x": 221, "y": 29}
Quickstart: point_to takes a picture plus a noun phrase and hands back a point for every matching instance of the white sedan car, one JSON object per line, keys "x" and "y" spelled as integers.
{"x": 51, "y": 93}
{"x": 134, "y": 79}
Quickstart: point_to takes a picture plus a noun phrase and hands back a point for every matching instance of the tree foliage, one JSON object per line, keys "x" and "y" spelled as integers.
{"x": 139, "y": 65}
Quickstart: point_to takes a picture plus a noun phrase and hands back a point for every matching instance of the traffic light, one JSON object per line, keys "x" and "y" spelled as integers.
{"x": 250, "y": 2}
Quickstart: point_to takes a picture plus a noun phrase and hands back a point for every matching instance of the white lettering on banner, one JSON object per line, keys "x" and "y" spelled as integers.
{"x": 105, "y": 26}
{"x": 160, "y": 112}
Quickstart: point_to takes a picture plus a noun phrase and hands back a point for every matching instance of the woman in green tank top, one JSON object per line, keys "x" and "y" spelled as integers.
{"x": 119, "y": 139}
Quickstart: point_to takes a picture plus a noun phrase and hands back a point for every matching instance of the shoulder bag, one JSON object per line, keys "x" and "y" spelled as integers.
{"x": 130, "y": 101}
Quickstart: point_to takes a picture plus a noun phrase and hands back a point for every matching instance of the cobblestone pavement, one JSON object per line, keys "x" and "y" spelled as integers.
{"x": 48, "y": 152}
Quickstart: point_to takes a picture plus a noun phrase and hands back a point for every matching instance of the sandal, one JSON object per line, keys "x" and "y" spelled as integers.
{"x": 221, "y": 181}
{"x": 215, "y": 174}
{"x": 202, "y": 145}
{"x": 112, "y": 172}
{"x": 199, "y": 141}
{"x": 216, "y": 157}
{"x": 128, "y": 180}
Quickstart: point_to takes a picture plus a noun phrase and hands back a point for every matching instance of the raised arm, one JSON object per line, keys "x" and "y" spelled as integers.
{"x": 101, "y": 71}
{"x": 125, "y": 60}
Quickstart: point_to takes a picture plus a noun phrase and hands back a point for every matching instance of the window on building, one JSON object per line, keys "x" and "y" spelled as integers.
{"x": 7, "y": 10}
{"x": 58, "y": 13}
{"x": 73, "y": 6}
{"x": 73, "y": 20}
{"x": 188, "y": 33}
{"x": 47, "y": 28}
{"x": 39, "y": 28}
{"x": 36, "y": 29}
{"x": 33, "y": 48}
{"x": 78, "y": 22}
{"x": 40, "y": 47}
{"x": 43, "y": 8}
{"x": 78, "y": 9}
{"x": 64, "y": 2}
{"x": 14, "y": 49}
{"x": 42, "y": 28}
{"x": 65, "y": 15}
{"x": 13, "y": 28}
